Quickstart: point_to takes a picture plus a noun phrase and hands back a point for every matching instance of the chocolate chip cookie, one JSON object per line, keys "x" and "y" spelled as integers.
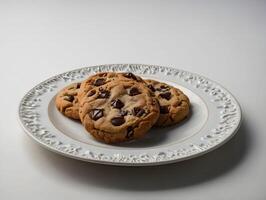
{"x": 67, "y": 101}
{"x": 103, "y": 78}
{"x": 174, "y": 104}
{"x": 118, "y": 111}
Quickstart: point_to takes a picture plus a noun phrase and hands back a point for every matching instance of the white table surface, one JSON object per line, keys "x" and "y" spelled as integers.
{"x": 224, "y": 41}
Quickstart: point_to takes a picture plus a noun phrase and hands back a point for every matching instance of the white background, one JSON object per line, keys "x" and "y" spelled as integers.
{"x": 223, "y": 40}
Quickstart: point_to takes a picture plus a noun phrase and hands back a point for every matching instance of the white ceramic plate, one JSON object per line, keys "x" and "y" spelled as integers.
{"x": 214, "y": 119}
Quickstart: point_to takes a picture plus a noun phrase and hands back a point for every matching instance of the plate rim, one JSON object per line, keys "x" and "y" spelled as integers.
{"x": 128, "y": 163}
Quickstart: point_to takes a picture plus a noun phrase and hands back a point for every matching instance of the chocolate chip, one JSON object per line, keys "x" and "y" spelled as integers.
{"x": 91, "y": 93}
{"x": 138, "y": 112}
{"x": 69, "y": 98}
{"x": 99, "y": 81}
{"x": 166, "y": 95}
{"x": 134, "y": 91}
{"x": 164, "y": 109}
{"x": 96, "y": 114}
{"x": 123, "y": 112}
{"x": 130, "y": 132}
{"x": 78, "y": 85}
{"x": 131, "y": 76}
{"x": 117, "y": 103}
{"x": 151, "y": 88}
{"x": 163, "y": 88}
{"x": 103, "y": 94}
{"x": 117, "y": 121}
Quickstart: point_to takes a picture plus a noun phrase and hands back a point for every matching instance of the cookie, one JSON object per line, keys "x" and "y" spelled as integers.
{"x": 119, "y": 111}
{"x": 103, "y": 78}
{"x": 174, "y": 104}
{"x": 67, "y": 101}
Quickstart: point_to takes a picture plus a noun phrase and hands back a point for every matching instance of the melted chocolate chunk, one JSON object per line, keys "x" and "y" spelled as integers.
{"x": 134, "y": 91}
{"x": 163, "y": 88}
{"x": 151, "y": 88}
{"x": 117, "y": 103}
{"x": 118, "y": 121}
{"x": 104, "y": 94}
{"x": 78, "y": 85}
{"x": 91, "y": 93}
{"x": 69, "y": 98}
{"x": 96, "y": 114}
{"x": 179, "y": 103}
{"x": 123, "y": 112}
{"x": 99, "y": 81}
{"x": 166, "y": 95}
{"x": 130, "y": 132}
{"x": 138, "y": 112}
{"x": 131, "y": 76}
{"x": 164, "y": 109}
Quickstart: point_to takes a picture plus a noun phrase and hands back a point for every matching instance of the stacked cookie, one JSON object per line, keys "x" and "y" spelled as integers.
{"x": 117, "y": 107}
